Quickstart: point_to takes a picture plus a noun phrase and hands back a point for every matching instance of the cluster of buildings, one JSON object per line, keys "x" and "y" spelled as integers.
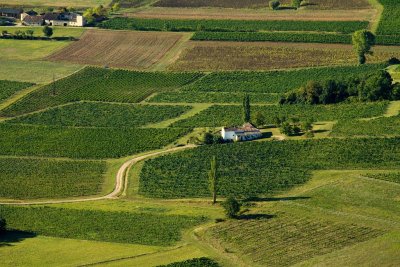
{"x": 245, "y": 133}
{"x": 32, "y": 18}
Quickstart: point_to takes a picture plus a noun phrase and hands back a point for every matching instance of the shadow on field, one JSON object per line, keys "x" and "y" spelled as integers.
{"x": 272, "y": 199}
{"x": 9, "y": 237}
{"x": 255, "y": 216}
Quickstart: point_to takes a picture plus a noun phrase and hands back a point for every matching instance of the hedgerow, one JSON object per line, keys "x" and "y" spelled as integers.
{"x": 110, "y": 226}
{"x": 142, "y": 24}
{"x": 212, "y": 97}
{"x": 8, "y": 88}
{"x": 103, "y": 115}
{"x": 96, "y": 84}
{"x": 86, "y": 143}
{"x": 275, "y": 81}
{"x": 390, "y": 19}
{"x": 42, "y": 178}
{"x": 259, "y": 168}
{"x": 196, "y": 262}
{"x": 386, "y": 126}
{"x": 231, "y": 115}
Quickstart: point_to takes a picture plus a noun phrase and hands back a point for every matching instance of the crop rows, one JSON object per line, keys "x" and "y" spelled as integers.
{"x": 97, "y": 84}
{"x": 141, "y": 24}
{"x": 8, "y": 88}
{"x": 35, "y": 178}
{"x": 275, "y": 81}
{"x": 90, "y": 143}
{"x": 212, "y": 3}
{"x": 103, "y": 115}
{"x": 287, "y": 240}
{"x": 259, "y": 168}
{"x": 390, "y": 19}
{"x": 196, "y": 262}
{"x": 377, "y": 127}
{"x": 212, "y": 97}
{"x": 216, "y": 115}
{"x": 121, "y": 227}
{"x": 391, "y": 177}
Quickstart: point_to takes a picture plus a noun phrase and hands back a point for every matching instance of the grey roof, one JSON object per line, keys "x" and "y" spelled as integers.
{"x": 11, "y": 11}
{"x": 33, "y": 19}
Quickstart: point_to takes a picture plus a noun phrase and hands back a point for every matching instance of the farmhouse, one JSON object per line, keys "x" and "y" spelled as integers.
{"x": 54, "y": 19}
{"x": 245, "y": 133}
{"x": 10, "y": 12}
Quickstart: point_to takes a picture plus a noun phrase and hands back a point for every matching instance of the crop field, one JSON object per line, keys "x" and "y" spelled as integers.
{"x": 308, "y": 238}
{"x": 120, "y": 227}
{"x": 103, "y": 115}
{"x": 41, "y": 178}
{"x": 118, "y": 49}
{"x": 216, "y": 115}
{"x": 90, "y": 143}
{"x": 212, "y": 97}
{"x": 219, "y": 56}
{"x": 62, "y": 3}
{"x": 197, "y": 262}
{"x": 38, "y": 31}
{"x": 128, "y": 3}
{"x": 275, "y": 81}
{"x": 390, "y": 177}
{"x": 8, "y": 88}
{"x": 208, "y": 3}
{"x": 375, "y": 127}
{"x": 177, "y": 25}
{"x": 96, "y": 84}
{"x": 390, "y": 20}
{"x": 251, "y": 169}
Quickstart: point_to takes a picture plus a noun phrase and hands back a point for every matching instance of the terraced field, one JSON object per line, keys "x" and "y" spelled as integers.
{"x": 118, "y": 49}
{"x": 8, "y": 88}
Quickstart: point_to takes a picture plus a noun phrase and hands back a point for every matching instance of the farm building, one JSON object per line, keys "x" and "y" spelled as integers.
{"x": 10, "y": 12}
{"x": 245, "y": 133}
{"x": 54, "y": 19}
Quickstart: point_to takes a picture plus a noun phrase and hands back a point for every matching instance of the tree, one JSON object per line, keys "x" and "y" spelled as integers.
{"x": 29, "y": 33}
{"x": 246, "y": 109}
{"x": 213, "y": 179}
{"x": 286, "y": 128}
{"x": 3, "y": 225}
{"x": 396, "y": 92}
{"x": 377, "y": 87}
{"x": 208, "y": 138}
{"x": 116, "y": 7}
{"x": 260, "y": 119}
{"x": 48, "y": 32}
{"x": 307, "y": 126}
{"x": 232, "y": 207}
{"x": 296, "y": 3}
{"x": 274, "y": 5}
{"x": 363, "y": 41}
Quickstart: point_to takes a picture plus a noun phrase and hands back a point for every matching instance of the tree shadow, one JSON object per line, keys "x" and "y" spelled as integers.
{"x": 320, "y": 131}
{"x": 9, "y": 237}
{"x": 266, "y": 135}
{"x": 272, "y": 199}
{"x": 255, "y": 216}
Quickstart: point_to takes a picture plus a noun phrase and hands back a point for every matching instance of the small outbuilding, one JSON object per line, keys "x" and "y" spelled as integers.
{"x": 245, "y": 133}
{"x": 10, "y": 12}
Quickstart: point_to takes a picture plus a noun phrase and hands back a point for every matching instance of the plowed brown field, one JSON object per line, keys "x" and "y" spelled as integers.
{"x": 121, "y": 49}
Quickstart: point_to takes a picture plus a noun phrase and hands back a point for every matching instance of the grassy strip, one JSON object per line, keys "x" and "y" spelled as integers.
{"x": 98, "y": 84}
{"x": 90, "y": 143}
{"x": 259, "y": 168}
{"x": 36, "y": 178}
{"x": 121, "y": 227}
{"x": 103, "y": 115}
{"x": 230, "y": 115}
{"x": 232, "y": 25}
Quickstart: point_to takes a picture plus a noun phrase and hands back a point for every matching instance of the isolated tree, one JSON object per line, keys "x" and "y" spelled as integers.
{"x": 274, "y": 5}
{"x": 213, "y": 179}
{"x": 208, "y": 138}
{"x": 48, "y": 32}
{"x": 296, "y": 3}
{"x": 246, "y": 109}
{"x": 3, "y": 226}
{"x": 260, "y": 119}
{"x": 286, "y": 128}
{"x": 232, "y": 207}
{"x": 363, "y": 41}
{"x": 307, "y": 126}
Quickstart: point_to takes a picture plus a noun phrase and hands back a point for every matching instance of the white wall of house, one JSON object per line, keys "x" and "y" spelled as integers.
{"x": 228, "y": 135}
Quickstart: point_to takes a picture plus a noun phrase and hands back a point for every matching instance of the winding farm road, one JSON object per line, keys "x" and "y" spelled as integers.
{"x": 119, "y": 181}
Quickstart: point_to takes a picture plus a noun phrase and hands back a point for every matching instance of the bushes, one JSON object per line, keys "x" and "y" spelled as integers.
{"x": 260, "y": 168}
{"x": 232, "y": 25}
{"x": 274, "y": 4}
{"x": 196, "y": 262}
{"x": 109, "y": 226}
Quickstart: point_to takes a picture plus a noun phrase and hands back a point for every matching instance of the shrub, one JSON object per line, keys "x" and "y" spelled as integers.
{"x": 3, "y": 225}
{"x": 274, "y": 5}
{"x": 232, "y": 207}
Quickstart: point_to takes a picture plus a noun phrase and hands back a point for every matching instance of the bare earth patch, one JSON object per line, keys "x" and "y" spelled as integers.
{"x": 121, "y": 49}
{"x": 212, "y": 56}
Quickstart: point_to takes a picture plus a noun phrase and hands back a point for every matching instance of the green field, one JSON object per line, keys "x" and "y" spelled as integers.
{"x": 63, "y": 3}
{"x": 390, "y": 19}
{"x": 252, "y": 169}
{"x": 390, "y": 177}
{"x": 231, "y": 115}
{"x": 8, "y": 88}
{"x": 38, "y": 31}
{"x": 90, "y": 143}
{"x": 40, "y": 178}
{"x": 103, "y": 115}
{"x": 120, "y": 227}
{"x": 98, "y": 84}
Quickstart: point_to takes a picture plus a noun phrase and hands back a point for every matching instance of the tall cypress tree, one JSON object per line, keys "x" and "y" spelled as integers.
{"x": 213, "y": 179}
{"x": 246, "y": 108}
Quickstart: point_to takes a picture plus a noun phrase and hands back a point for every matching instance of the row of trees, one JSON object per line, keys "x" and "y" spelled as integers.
{"x": 373, "y": 87}
{"x": 275, "y": 4}
{"x": 27, "y": 34}
{"x": 294, "y": 126}
{"x": 91, "y": 14}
